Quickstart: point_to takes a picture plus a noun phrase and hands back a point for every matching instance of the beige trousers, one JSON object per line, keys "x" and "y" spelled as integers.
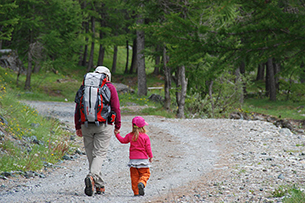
{"x": 96, "y": 142}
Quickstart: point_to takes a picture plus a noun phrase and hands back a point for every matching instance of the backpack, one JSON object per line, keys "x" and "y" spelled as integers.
{"x": 93, "y": 98}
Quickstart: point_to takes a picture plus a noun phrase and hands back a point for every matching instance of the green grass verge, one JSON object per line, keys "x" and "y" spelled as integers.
{"x": 279, "y": 109}
{"x": 291, "y": 194}
{"x": 28, "y": 141}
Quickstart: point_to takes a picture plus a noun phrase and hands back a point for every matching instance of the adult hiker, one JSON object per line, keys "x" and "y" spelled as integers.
{"x": 97, "y": 109}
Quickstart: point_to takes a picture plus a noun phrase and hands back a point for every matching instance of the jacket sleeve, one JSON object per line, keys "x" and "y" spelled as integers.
{"x": 115, "y": 105}
{"x": 148, "y": 148}
{"x": 123, "y": 140}
{"x": 77, "y": 117}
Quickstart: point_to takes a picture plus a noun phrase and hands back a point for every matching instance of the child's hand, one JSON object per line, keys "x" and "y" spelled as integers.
{"x": 150, "y": 160}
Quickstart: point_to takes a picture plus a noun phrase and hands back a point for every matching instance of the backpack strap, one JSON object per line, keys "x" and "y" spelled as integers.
{"x": 102, "y": 83}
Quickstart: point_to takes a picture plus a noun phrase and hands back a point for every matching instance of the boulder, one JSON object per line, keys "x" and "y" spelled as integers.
{"x": 121, "y": 88}
{"x": 9, "y": 59}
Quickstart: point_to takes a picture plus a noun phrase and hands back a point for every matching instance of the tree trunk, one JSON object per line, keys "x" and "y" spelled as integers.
{"x": 277, "y": 69}
{"x": 272, "y": 89}
{"x": 181, "y": 91}
{"x": 36, "y": 66}
{"x": 29, "y": 70}
{"x": 260, "y": 72}
{"x": 157, "y": 61}
{"x": 90, "y": 63}
{"x": 302, "y": 75}
{"x": 133, "y": 65}
{"x": 211, "y": 97}
{"x": 86, "y": 45}
{"x": 101, "y": 53}
{"x": 142, "y": 86}
{"x": 239, "y": 85}
{"x": 81, "y": 56}
{"x": 242, "y": 70}
{"x": 115, "y": 56}
{"x": 127, "y": 57}
{"x": 27, "y": 85}
{"x": 267, "y": 86}
{"x": 167, "y": 85}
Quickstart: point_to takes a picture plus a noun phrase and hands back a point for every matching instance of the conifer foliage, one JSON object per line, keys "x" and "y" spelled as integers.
{"x": 194, "y": 42}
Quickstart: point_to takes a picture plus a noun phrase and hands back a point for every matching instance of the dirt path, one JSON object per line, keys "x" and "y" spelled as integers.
{"x": 198, "y": 160}
{"x": 176, "y": 162}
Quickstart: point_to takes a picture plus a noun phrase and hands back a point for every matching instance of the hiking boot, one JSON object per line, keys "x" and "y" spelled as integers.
{"x": 141, "y": 189}
{"x": 89, "y": 182}
{"x": 100, "y": 190}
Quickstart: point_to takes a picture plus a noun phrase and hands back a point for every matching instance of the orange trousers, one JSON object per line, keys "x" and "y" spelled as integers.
{"x": 138, "y": 175}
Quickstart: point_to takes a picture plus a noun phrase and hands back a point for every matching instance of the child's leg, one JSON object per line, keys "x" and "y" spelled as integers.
{"x": 134, "y": 175}
{"x": 144, "y": 174}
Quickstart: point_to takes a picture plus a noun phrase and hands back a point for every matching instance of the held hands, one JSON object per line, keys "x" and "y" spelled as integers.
{"x": 79, "y": 133}
{"x": 116, "y": 131}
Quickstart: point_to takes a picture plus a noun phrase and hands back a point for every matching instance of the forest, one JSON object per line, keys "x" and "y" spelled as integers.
{"x": 210, "y": 53}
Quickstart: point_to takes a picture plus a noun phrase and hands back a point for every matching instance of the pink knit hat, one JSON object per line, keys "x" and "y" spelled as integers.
{"x": 139, "y": 121}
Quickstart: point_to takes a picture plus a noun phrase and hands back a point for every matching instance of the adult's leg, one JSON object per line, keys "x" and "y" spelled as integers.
{"x": 102, "y": 137}
{"x": 88, "y": 139}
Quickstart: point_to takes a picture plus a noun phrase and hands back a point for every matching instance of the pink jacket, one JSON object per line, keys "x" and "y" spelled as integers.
{"x": 115, "y": 106}
{"x": 140, "y": 149}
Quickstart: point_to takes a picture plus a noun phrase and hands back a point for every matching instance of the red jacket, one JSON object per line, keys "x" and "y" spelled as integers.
{"x": 140, "y": 149}
{"x": 115, "y": 106}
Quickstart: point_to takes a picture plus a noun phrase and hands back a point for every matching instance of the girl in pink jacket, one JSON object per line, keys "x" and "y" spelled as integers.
{"x": 140, "y": 154}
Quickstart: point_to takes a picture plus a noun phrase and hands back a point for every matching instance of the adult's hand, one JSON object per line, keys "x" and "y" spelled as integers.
{"x": 116, "y": 131}
{"x": 79, "y": 133}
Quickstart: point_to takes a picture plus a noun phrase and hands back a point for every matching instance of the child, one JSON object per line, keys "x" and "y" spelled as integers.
{"x": 140, "y": 154}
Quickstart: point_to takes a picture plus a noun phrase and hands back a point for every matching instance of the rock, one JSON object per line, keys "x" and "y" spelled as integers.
{"x": 284, "y": 124}
{"x": 2, "y": 120}
{"x": 156, "y": 98}
{"x": 121, "y": 88}
{"x": 285, "y": 131}
{"x": 10, "y": 59}
{"x": 35, "y": 125}
{"x": 67, "y": 157}
{"x": 281, "y": 177}
{"x": 29, "y": 174}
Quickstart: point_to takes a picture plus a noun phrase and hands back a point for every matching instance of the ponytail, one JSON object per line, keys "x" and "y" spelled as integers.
{"x": 136, "y": 131}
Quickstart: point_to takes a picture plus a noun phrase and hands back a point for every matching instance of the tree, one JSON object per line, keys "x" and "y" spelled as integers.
{"x": 90, "y": 63}
{"x": 8, "y": 20}
{"x": 142, "y": 86}
{"x": 54, "y": 25}
{"x": 181, "y": 85}
{"x": 271, "y": 80}
{"x": 167, "y": 85}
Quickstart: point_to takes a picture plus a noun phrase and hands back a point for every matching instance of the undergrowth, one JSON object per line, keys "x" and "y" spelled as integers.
{"x": 290, "y": 194}
{"x": 27, "y": 140}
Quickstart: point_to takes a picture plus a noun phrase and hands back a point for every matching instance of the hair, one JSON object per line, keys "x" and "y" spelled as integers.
{"x": 136, "y": 131}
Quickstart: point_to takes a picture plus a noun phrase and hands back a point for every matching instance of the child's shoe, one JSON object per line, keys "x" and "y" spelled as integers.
{"x": 89, "y": 182}
{"x": 100, "y": 190}
{"x": 141, "y": 189}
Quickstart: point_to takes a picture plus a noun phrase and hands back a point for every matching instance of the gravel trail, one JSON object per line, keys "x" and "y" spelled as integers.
{"x": 195, "y": 160}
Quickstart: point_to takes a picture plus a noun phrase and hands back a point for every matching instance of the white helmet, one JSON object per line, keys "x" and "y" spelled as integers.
{"x": 103, "y": 69}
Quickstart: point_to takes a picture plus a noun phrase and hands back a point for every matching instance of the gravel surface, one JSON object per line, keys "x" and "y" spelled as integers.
{"x": 195, "y": 160}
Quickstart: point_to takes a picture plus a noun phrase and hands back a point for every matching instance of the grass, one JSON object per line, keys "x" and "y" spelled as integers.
{"x": 291, "y": 194}
{"x": 279, "y": 109}
{"x": 30, "y": 141}
{"x": 24, "y": 125}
